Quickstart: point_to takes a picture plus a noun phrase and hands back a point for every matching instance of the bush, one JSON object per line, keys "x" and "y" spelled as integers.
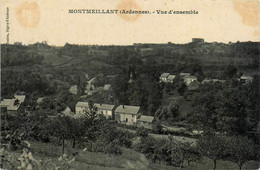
{"x": 142, "y": 132}
{"x": 113, "y": 148}
{"x": 171, "y": 151}
{"x": 125, "y": 138}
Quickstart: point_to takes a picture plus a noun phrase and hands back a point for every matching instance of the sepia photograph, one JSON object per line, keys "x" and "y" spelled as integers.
{"x": 130, "y": 84}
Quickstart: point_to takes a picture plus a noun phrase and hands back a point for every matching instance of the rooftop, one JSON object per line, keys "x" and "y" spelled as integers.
{"x": 146, "y": 118}
{"x": 107, "y": 86}
{"x": 21, "y": 98}
{"x": 189, "y": 77}
{"x": 171, "y": 77}
{"x": 99, "y": 106}
{"x": 184, "y": 74}
{"x": 10, "y": 103}
{"x": 246, "y": 77}
{"x": 165, "y": 74}
{"x": 73, "y": 88}
{"x": 128, "y": 109}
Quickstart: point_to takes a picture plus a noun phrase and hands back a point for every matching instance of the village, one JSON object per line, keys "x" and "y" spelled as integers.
{"x": 141, "y": 106}
{"x": 123, "y": 114}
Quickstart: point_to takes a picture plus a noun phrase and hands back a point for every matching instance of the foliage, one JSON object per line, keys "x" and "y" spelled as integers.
{"x": 168, "y": 150}
{"x": 157, "y": 126}
{"x": 241, "y": 150}
{"x": 26, "y": 160}
{"x": 12, "y": 55}
{"x": 142, "y": 132}
{"x": 168, "y": 113}
{"x": 229, "y": 107}
{"x": 214, "y": 147}
{"x": 26, "y": 81}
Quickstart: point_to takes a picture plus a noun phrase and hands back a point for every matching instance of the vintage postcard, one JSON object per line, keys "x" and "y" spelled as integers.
{"x": 130, "y": 84}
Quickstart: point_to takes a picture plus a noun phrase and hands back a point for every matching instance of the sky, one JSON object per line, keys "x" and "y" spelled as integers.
{"x": 33, "y": 21}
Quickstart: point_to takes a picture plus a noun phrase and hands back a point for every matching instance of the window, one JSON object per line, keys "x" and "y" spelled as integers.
{"x": 133, "y": 115}
{"x": 126, "y": 119}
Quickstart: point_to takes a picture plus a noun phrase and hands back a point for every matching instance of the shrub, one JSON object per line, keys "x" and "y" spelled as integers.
{"x": 142, "y": 132}
{"x": 113, "y": 148}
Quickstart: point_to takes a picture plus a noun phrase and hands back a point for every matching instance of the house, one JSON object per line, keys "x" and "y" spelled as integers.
{"x": 189, "y": 79}
{"x": 163, "y": 77}
{"x": 39, "y": 100}
{"x": 170, "y": 78}
{"x": 13, "y": 106}
{"x": 126, "y": 114}
{"x": 246, "y": 79}
{"x": 107, "y": 87}
{"x": 105, "y": 109}
{"x": 193, "y": 86}
{"x": 73, "y": 89}
{"x": 68, "y": 112}
{"x": 208, "y": 80}
{"x": 184, "y": 75}
{"x": 145, "y": 121}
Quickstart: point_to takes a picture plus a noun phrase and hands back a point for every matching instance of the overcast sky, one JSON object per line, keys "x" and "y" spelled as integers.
{"x": 218, "y": 20}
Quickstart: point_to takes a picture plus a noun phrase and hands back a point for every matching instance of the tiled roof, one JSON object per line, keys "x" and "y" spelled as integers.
{"x": 127, "y": 109}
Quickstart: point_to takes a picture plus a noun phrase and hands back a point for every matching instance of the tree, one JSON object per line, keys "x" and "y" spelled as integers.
{"x": 241, "y": 150}
{"x": 181, "y": 88}
{"x": 142, "y": 132}
{"x": 173, "y": 109}
{"x": 157, "y": 127}
{"x": 214, "y": 147}
{"x": 61, "y": 129}
{"x": 230, "y": 108}
{"x": 230, "y": 71}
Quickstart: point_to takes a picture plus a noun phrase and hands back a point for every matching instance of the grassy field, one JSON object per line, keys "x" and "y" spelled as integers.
{"x": 129, "y": 159}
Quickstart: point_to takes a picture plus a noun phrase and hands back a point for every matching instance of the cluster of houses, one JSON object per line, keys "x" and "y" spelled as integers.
{"x": 12, "y": 106}
{"x": 187, "y": 78}
{"x": 123, "y": 114}
{"x": 192, "y": 82}
{"x": 90, "y": 88}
